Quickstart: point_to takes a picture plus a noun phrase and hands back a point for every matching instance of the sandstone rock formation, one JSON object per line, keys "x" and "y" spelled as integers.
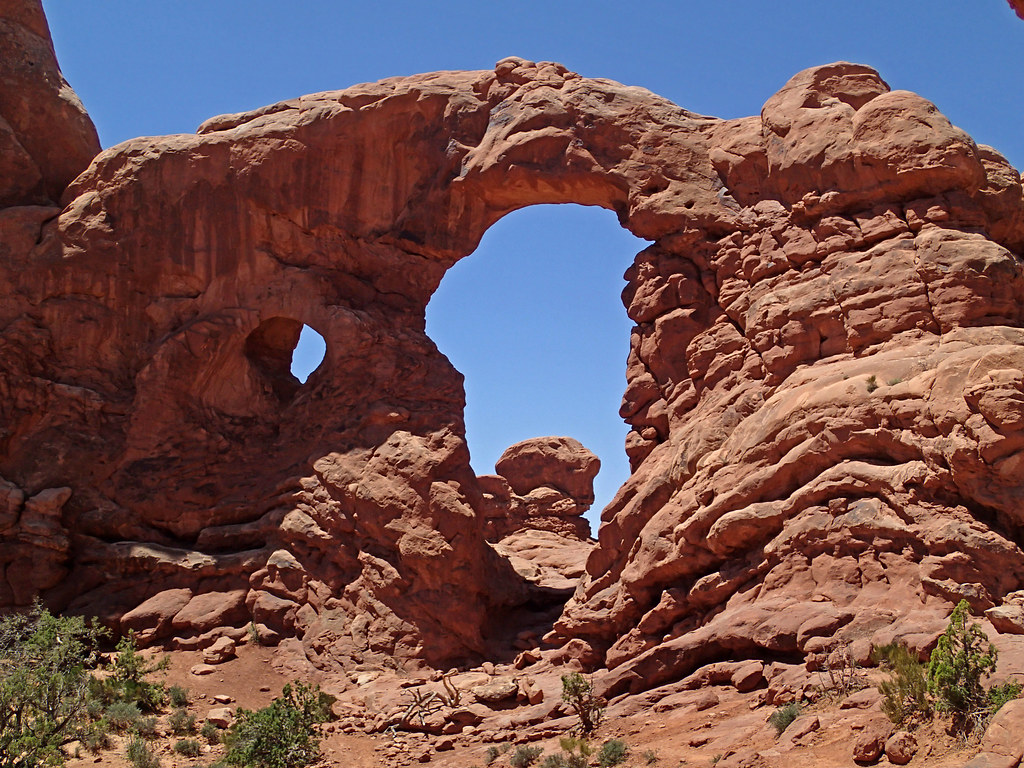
{"x": 545, "y": 483}
{"x": 1018, "y": 6}
{"x": 824, "y": 385}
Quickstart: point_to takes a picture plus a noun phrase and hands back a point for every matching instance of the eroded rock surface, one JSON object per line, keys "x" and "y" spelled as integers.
{"x": 824, "y": 385}
{"x": 545, "y": 484}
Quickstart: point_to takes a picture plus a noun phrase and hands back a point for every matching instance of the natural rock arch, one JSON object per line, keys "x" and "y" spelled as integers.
{"x": 847, "y": 237}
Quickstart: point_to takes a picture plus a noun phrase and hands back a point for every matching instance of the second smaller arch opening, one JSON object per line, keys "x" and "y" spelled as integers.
{"x": 286, "y": 352}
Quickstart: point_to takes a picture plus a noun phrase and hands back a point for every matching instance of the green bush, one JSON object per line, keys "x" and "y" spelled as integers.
{"x": 188, "y": 748}
{"x": 140, "y": 755}
{"x": 577, "y": 751}
{"x": 651, "y": 757}
{"x": 961, "y": 659}
{"x": 554, "y": 761}
{"x": 146, "y": 728}
{"x": 612, "y": 752}
{"x": 782, "y": 717}
{"x": 128, "y": 681}
{"x": 210, "y": 732}
{"x": 96, "y": 735}
{"x": 123, "y": 715}
{"x": 524, "y": 756}
{"x": 578, "y": 693}
{"x": 43, "y": 684}
{"x": 284, "y": 734}
{"x": 905, "y": 692}
{"x": 182, "y": 722}
{"x": 178, "y": 696}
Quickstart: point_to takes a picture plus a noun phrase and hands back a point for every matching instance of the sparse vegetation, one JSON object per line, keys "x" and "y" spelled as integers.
{"x": 958, "y": 664}
{"x": 254, "y": 634}
{"x": 493, "y": 753}
{"x": 210, "y": 732}
{"x": 651, "y": 757}
{"x": 577, "y": 751}
{"x": 783, "y": 717}
{"x": 612, "y": 752}
{"x": 146, "y": 728}
{"x": 284, "y": 734}
{"x": 872, "y": 383}
{"x": 894, "y": 381}
{"x": 123, "y": 715}
{"x": 95, "y": 736}
{"x": 188, "y": 748}
{"x": 178, "y": 696}
{"x": 905, "y": 693}
{"x": 140, "y": 755}
{"x": 43, "y": 685}
{"x": 524, "y": 756}
{"x": 840, "y": 675}
{"x": 952, "y": 681}
{"x": 578, "y": 692}
{"x": 182, "y": 722}
{"x": 128, "y": 682}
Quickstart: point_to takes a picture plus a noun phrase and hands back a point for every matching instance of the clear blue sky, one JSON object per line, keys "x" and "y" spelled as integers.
{"x": 533, "y": 318}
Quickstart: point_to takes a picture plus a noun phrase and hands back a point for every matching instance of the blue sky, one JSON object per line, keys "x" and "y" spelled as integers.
{"x": 533, "y": 318}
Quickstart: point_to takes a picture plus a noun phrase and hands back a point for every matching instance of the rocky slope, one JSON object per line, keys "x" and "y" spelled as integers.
{"x": 825, "y": 381}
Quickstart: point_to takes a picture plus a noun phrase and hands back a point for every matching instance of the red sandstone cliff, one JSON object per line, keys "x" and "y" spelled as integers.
{"x": 825, "y": 382}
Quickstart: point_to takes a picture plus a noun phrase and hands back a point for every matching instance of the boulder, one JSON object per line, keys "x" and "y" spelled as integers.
{"x": 223, "y": 649}
{"x": 900, "y": 748}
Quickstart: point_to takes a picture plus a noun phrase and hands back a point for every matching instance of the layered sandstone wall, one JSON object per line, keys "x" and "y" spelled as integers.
{"x": 825, "y": 381}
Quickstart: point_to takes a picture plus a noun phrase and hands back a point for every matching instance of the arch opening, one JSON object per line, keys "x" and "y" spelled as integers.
{"x": 308, "y": 355}
{"x": 533, "y": 319}
{"x": 286, "y": 353}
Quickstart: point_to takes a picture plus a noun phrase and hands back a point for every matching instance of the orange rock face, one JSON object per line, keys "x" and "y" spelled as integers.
{"x": 1018, "y": 6}
{"x": 825, "y": 382}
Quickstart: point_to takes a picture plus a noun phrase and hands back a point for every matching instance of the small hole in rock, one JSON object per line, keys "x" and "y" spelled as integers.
{"x": 308, "y": 354}
{"x": 286, "y": 352}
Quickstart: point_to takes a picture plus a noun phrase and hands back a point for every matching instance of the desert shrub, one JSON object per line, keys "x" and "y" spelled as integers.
{"x": 651, "y": 757}
{"x": 492, "y": 754}
{"x": 128, "y": 679}
{"x": 782, "y": 717}
{"x": 95, "y": 735}
{"x": 577, "y": 751}
{"x": 524, "y": 756}
{"x": 140, "y": 755}
{"x": 872, "y": 384}
{"x": 43, "y": 684}
{"x": 578, "y": 693}
{"x": 178, "y": 696}
{"x": 905, "y": 692}
{"x": 146, "y": 728}
{"x": 210, "y": 732}
{"x": 1000, "y": 694}
{"x": 612, "y": 752}
{"x": 284, "y": 734}
{"x": 553, "y": 761}
{"x": 123, "y": 715}
{"x": 182, "y": 722}
{"x": 840, "y": 675}
{"x": 188, "y": 748}
{"x": 961, "y": 659}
